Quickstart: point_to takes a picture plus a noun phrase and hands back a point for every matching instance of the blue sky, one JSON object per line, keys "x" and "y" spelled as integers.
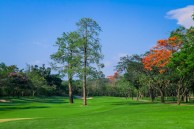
{"x": 29, "y": 28}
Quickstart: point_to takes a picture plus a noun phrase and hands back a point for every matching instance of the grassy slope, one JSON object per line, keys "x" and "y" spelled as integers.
{"x": 101, "y": 113}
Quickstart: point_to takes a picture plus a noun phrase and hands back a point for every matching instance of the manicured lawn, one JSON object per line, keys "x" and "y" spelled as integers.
{"x": 101, "y": 113}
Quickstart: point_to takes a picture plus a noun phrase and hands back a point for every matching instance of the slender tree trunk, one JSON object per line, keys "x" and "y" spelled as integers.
{"x": 33, "y": 93}
{"x": 22, "y": 93}
{"x": 178, "y": 95}
{"x": 70, "y": 88}
{"x": 162, "y": 96}
{"x": 18, "y": 94}
{"x": 152, "y": 94}
{"x": 138, "y": 95}
{"x": 186, "y": 94}
{"x": 84, "y": 91}
{"x": 85, "y": 66}
{"x": 179, "y": 91}
{"x": 70, "y": 79}
{"x": 186, "y": 98}
{"x": 84, "y": 76}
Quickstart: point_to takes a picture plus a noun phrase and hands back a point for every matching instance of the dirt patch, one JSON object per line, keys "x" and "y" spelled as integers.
{"x": 89, "y": 98}
{"x": 80, "y": 97}
{"x": 13, "y": 119}
{"x": 4, "y": 101}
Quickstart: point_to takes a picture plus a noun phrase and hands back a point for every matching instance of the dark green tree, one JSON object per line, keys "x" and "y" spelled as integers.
{"x": 132, "y": 68}
{"x": 67, "y": 58}
{"x": 18, "y": 82}
{"x": 90, "y": 49}
{"x": 38, "y": 82}
{"x": 182, "y": 62}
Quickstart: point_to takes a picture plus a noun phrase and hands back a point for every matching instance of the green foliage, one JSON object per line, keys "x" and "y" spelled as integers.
{"x": 90, "y": 49}
{"x": 132, "y": 69}
{"x": 67, "y": 57}
{"x": 182, "y": 62}
{"x": 18, "y": 82}
{"x": 89, "y": 46}
{"x": 42, "y": 81}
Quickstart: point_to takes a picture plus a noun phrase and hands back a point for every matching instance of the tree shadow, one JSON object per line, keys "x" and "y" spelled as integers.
{"x": 22, "y": 103}
{"x": 18, "y": 108}
{"x": 133, "y": 103}
{"x": 38, "y": 100}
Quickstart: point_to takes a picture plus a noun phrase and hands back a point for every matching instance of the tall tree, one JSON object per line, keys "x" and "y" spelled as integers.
{"x": 90, "y": 48}
{"x": 67, "y": 57}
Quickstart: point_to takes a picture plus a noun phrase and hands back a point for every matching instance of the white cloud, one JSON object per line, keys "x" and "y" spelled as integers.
{"x": 183, "y": 16}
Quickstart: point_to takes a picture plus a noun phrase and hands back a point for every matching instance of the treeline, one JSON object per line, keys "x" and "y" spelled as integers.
{"x": 39, "y": 81}
{"x": 33, "y": 81}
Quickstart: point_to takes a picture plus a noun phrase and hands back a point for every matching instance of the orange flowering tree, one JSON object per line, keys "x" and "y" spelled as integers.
{"x": 158, "y": 58}
{"x": 112, "y": 78}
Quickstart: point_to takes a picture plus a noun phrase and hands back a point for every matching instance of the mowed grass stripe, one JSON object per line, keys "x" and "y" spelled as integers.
{"x": 13, "y": 119}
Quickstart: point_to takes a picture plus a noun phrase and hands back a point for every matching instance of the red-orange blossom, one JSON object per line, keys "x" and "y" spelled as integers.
{"x": 160, "y": 55}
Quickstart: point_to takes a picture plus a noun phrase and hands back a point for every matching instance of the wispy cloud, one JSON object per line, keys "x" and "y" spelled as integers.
{"x": 183, "y": 16}
{"x": 36, "y": 62}
{"x": 118, "y": 56}
{"x": 41, "y": 44}
{"x": 107, "y": 63}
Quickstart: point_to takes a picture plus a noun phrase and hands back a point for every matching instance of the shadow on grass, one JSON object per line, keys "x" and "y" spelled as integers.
{"x": 18, "y": 108}
{"x": 52, "y": 100}
{"x": 133, "y": 103}
{"x": 22, "y": 103}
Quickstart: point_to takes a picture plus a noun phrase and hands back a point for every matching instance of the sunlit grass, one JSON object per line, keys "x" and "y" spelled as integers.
{"x": 101, "y": 113}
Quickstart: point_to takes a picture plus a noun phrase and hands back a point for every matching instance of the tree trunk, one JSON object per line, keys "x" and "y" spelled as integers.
{"x": 18, "y": 94}
{"x": 132, "y": 95}
{"x": 137, "y": 95}
{"x": 70, "y": 88}
{"x": 178, "y": 95}
{"x": 33, "y": 93}
{"x": 162, "y": 96}
{"x": 13, "y": 94}
{"x": 186, "y": 98}
{"x": 186, "y": 95}
{"x": 22, "y": 93}
{"x": 152, "y": 94}
{"x": 84, "y": 90}
{"x": 84, "y": 76}
{"x": 180, "y": 84}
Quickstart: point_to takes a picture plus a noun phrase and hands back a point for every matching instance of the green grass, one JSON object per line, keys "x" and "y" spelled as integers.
{"x": 101, "y": 113}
